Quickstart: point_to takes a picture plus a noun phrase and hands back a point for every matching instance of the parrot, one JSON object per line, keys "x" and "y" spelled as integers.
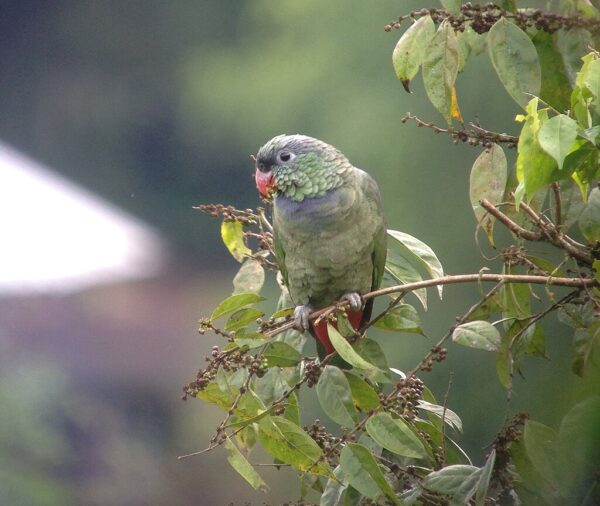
{"x": 329, "y": 234}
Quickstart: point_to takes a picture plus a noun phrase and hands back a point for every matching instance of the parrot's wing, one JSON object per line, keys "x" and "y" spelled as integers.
{"x": 373, "y": 197}
{"x": 280, "y": 257}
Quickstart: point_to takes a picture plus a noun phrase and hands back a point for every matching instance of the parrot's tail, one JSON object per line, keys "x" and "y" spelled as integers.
{"x": 320, "y": 329}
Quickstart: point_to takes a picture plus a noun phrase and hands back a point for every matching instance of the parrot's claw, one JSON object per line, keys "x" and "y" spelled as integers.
{"x": 301, "y": 314}
{"x": 354, "y": 299}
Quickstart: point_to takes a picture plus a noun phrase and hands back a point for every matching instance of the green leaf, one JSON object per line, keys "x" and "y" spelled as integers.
{"x": 515, "y": 60}
{"x": 448, "y": 480}
{"x": 279, "y": 354}
{"x": 440, "y": 68}
{"x": 212, "y": 393}
{"x": 504, "y": 362}
{"x": 487, "y": 308}
{"x": 372, "y": 353}
{"x": 516, "y": 298}
{"x": 555, "y": 87}
{"x": 577, "y": 315}
{"x": 292, "y": 409}
{"x": 477, "y": 334}
{"x": 539, "y": 444}
{"x": 589, "y": 220}
{"x": 546, "y": 265}
{"x": 487, "y": 181}
{"x": 508, "y": 5}
{"x": 449, "y": 416}
{"x": 283, "y": 313}
{"x": 233, "y": 303}
{"x": 584, "y": 343}
{"x": 579, "y": 441}
{"x": 335, "y": 397}
{"x": 232, "y": 233}
{"x": 556, "y": 137}
{"x": 402, "y": 318}
{"x": 475, "y": 41}
{"x": 244, "y": 468}
{"x": 346, "y": 351}
{"x": 334, "y": 490}
{"x": 249, "y": 406}
{"x": 271, "y": 386}
{"x": 592, "y": 80}
{"x": 572, "y": 45}
{"x": 422, "y": 253}
{"x": 288, "y": 443}
{"x": 410, "y": 49}
{"x": 401, "y": 271}
{"x": 362, "y": 472}
{"x": 572, "y": 203}
{"x": 250, "y": 277}
{"x": 394, "y": 435}
{"x": 242, "y": 318}
{"x": 535, "y": 168}
{"x": 364, "y": 395}
{"x": 452, "y": 6}
{"x": 484, "y": 480}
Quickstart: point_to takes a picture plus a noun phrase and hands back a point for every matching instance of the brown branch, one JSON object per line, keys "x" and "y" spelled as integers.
{"x": 449, "y": 280}
{"x": 510, "y": 224}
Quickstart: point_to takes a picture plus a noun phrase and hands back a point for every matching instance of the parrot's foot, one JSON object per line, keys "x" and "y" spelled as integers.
{"x": 354, "y": 299}
{"x": 301, "y": 314}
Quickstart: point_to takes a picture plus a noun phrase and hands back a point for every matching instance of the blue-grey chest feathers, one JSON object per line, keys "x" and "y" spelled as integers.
{"x": 313, "y": 214}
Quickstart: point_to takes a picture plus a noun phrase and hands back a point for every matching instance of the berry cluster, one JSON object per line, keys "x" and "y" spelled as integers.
{"x": 405, "y": 398}
{"x": 312, "y": 371}
{"x": 502, "y": 474}
{"x": 228, "y": 361}
{"x": 329, "y": 443}
{"x": 481, "y": 17}
{"x": 514, "y": 255}
{"x": 436, "y": 354}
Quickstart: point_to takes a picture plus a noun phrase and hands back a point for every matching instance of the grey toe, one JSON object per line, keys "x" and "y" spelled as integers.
{"x": 354, "y": 299}
{"x": 301, "y": 314}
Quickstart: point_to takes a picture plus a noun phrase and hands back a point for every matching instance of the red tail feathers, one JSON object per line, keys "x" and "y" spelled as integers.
{"x": 320, "y": 330}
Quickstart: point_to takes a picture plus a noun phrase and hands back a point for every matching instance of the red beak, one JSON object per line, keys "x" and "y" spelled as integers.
{"x": 265, "y": 182}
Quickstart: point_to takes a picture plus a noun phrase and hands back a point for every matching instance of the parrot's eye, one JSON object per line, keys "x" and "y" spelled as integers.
{"x": 285, "y": 156}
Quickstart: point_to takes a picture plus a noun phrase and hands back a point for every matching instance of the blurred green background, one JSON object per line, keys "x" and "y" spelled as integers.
{"x": 157, "y": 106}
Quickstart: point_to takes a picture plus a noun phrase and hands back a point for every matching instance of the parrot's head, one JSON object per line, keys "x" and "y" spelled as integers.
{"x": 298, "y": 166}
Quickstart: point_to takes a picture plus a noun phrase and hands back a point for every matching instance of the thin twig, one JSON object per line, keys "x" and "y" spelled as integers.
{"x": 554, "y": 237}
{"x": 475, "y": 135}
{"x": 510, "y": 224}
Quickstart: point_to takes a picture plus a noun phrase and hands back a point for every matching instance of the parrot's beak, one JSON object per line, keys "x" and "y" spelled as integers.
{"x": 265, "y": 182}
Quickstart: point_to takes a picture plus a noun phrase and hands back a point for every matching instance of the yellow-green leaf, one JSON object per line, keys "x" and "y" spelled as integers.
{"x": 232, "y": 233}
{"x": 288, "y": 443}
{"x": 410, "y": 49}
{"x": 440, "y": 68}
{"x": 487, "y": 181}
{"x": 243, "y": 467}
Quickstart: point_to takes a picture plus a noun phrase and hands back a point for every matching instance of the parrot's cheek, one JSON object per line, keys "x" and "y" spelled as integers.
{"x": 265, "y": 182}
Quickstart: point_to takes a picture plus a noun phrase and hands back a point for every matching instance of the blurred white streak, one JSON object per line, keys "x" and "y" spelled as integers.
{"x": 56, "y": 236}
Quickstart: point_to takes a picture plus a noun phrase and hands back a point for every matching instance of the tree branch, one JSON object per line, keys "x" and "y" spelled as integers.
{"x": 450, "y": 280}
{"x": 511, "y": 225}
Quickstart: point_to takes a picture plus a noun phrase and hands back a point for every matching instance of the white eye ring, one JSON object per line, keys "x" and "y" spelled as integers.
{"x": 285, "y": 156}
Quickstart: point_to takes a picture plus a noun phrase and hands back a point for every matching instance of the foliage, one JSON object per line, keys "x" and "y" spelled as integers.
{"x": 394, "y": 441}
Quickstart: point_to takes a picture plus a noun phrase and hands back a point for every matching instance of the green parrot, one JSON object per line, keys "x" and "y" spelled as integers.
{"x": 329, "y": 230}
